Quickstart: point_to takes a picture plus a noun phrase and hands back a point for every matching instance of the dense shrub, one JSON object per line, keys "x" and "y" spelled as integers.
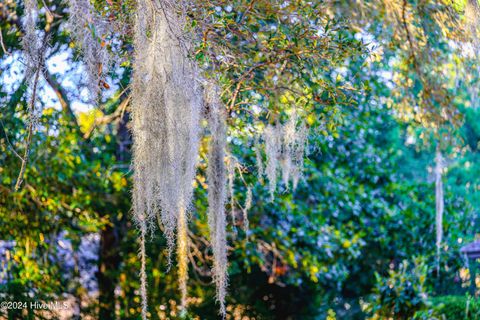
{"x": 401, "y": 293}
{"x": 456, "y": 307}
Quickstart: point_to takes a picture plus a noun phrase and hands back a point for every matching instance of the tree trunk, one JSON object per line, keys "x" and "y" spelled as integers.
{"x": 109, "y": 261}
{"x": 109, "y": 253}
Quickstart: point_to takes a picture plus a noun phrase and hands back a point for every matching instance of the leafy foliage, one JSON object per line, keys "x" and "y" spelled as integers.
{"x": 378, "y": 84}
{"x": 401, "y": 294}
{"x": 456, "y": 307}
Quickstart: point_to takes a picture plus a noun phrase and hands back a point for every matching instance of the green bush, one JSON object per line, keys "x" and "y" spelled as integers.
{"x": 401, "y": 293}
{"x": 456, "y": 307}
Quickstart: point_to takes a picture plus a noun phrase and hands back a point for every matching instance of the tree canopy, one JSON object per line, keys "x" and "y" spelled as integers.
{"x": 258, "y": 159}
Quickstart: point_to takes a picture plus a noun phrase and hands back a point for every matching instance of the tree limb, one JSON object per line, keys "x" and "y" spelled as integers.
{"x": 109, "y": 118}
{"x": 62, "y": 96}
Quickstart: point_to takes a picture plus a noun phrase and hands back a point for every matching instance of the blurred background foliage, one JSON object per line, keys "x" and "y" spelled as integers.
{"x": 381, "y": 84}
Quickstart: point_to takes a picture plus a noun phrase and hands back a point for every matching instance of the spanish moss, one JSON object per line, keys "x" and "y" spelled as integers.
{"x": 89, "y": 31}
{"x": 217, "y": 196}
{"x": 439, "y": 204}
{"x": 167, "y": 102}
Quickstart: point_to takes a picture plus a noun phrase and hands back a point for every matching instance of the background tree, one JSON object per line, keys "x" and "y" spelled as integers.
{"x": 370, "y": 97}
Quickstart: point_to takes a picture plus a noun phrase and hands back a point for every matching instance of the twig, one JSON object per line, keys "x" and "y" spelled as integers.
{"x": 244, "y": 14}
{"x": 8, "y": 140}
{"x": 47, "y": 8}
{"x": 31, "y": 123}
{"x": 409, "y": 36}
{"x": 3, "y": 45}
{"x": 30, "y": 130}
